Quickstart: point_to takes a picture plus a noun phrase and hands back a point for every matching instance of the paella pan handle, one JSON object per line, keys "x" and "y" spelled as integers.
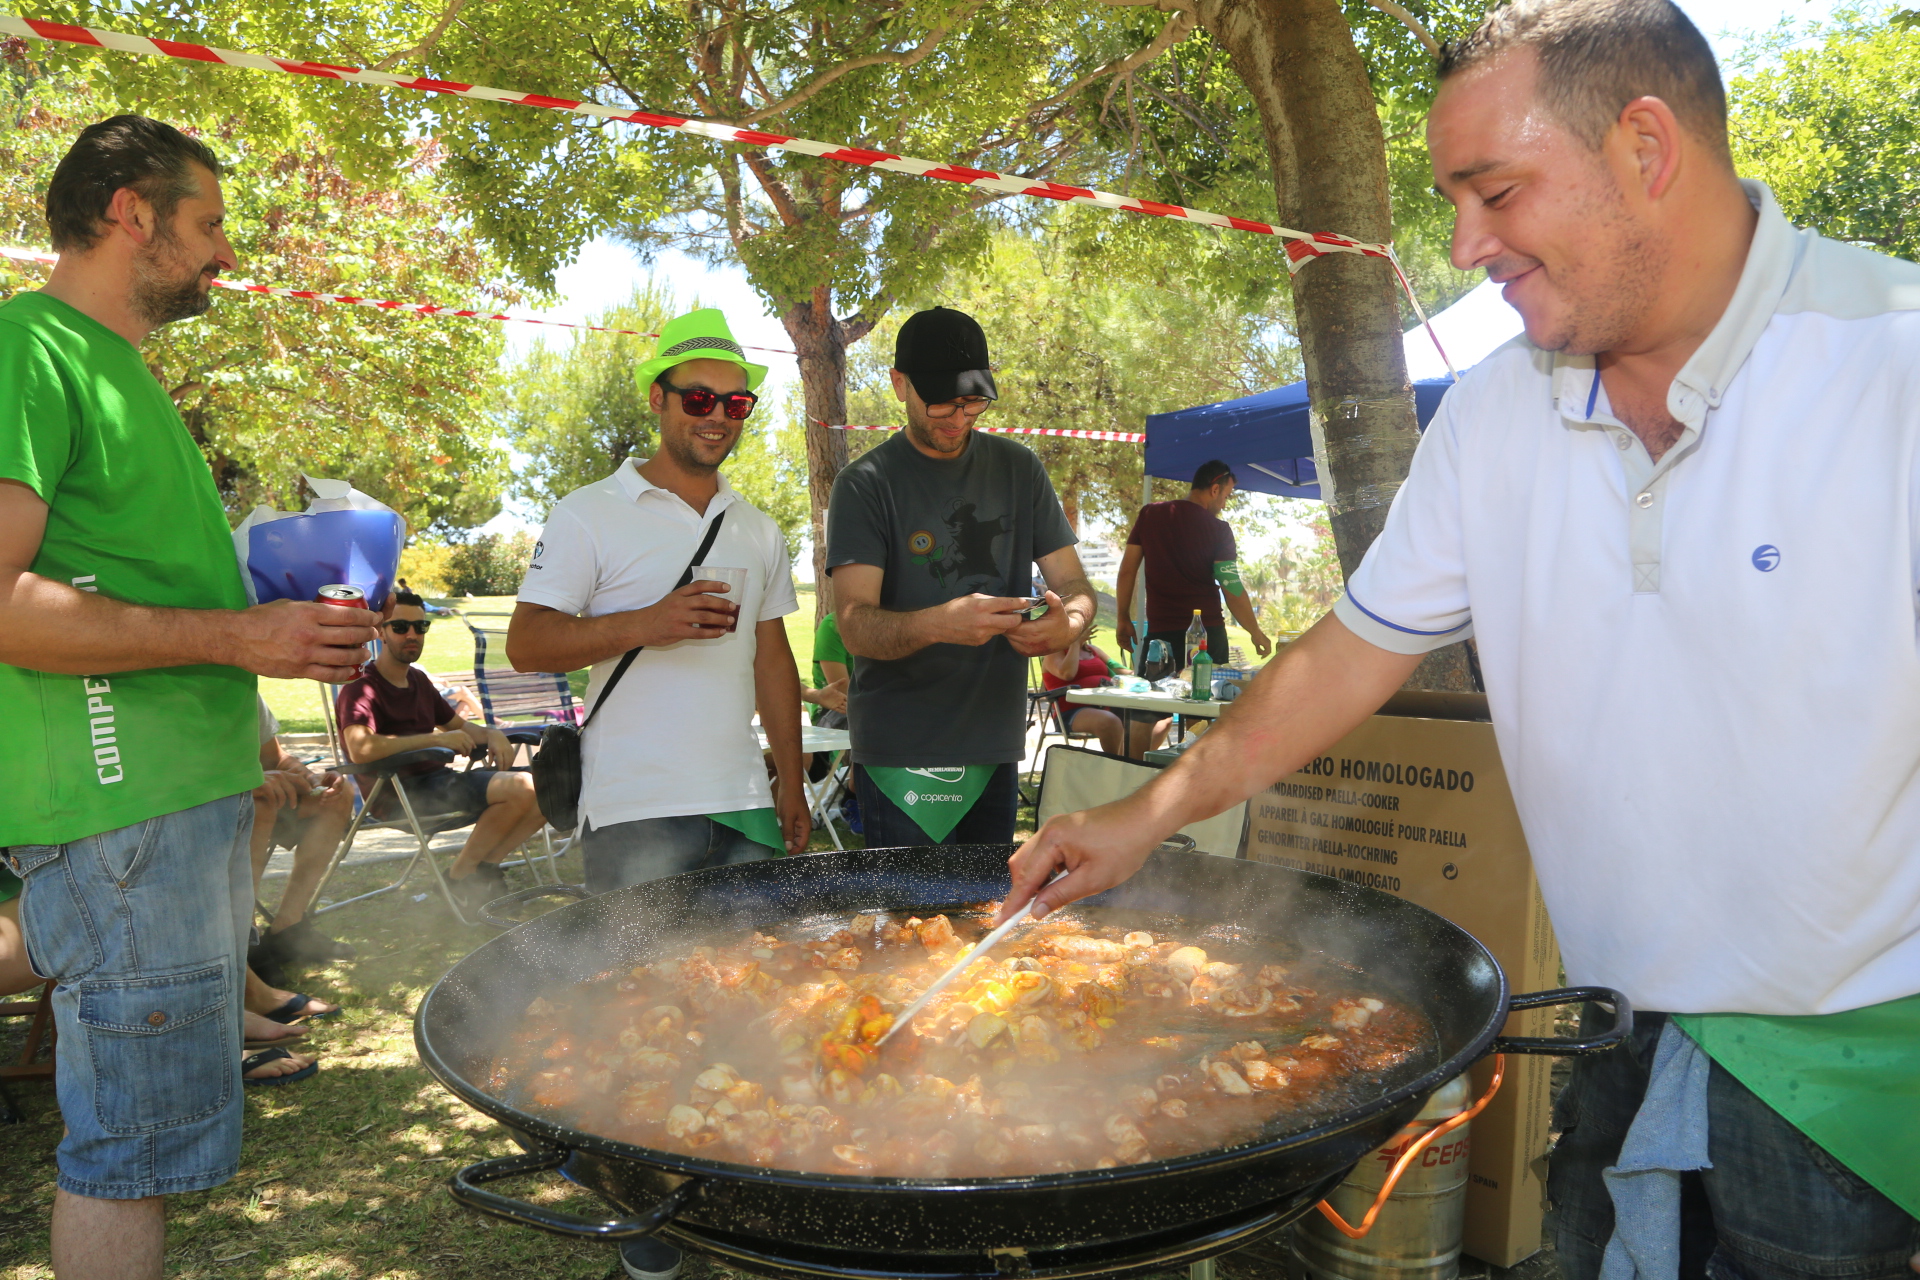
{"x": 1621, "y": 1028}
{"x": 466, "y": 1186}
{"x": 528, "y": 895}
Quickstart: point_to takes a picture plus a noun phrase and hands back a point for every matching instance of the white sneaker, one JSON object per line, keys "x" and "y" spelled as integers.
{"x": 649, "y": 1259}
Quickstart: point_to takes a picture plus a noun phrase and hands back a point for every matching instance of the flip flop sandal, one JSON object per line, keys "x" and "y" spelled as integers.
{"x": 256, "y": 1060}
{"x": 293, "y": 1010}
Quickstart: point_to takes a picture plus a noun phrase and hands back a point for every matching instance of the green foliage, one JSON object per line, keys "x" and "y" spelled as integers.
{"x": 1185, "y": 131}
{"x": 537, "y": 186}
{"x": 1308, "y": 581}
{"x": 1827, "y": 115}
{"x": 1077, "y": 348}
{"x": 424, "y": 564}
{"x": 271, "y": 388}
{"x": 576, "y": 414}
{"x": 573, "y": 408}
{"x": 490, "y": 565}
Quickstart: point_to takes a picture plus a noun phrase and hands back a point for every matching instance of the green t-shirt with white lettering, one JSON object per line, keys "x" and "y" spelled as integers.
{"x": 132, "y": 513}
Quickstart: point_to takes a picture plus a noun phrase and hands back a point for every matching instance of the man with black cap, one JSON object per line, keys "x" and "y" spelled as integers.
{"x": 931, "y": 540}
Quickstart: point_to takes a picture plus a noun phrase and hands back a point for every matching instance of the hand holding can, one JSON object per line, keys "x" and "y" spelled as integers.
{"x": 736, "y": 580}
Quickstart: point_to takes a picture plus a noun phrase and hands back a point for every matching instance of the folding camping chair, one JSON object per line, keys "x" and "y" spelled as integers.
{"x": 388, "y": 775}
{"x": 515, "y": 700}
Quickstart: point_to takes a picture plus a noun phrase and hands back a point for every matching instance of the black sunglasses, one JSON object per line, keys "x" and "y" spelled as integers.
{"x": 699, "y": 402}
{"x": 400, "y": 626}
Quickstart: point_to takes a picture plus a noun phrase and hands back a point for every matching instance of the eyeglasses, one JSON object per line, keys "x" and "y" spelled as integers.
{"x": 973, "y": 407}
{"x": 699, "y": 402}
{"x": 400, "y": 626}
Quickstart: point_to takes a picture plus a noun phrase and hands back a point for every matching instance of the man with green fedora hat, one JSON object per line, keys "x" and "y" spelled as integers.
{"x": 672, "y": 777}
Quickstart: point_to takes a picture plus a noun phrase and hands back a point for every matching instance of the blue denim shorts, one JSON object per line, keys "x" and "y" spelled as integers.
{"x": 143, "y": 930}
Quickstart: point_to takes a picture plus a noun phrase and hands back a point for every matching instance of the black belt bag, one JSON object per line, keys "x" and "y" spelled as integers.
{"x": 556, "y": 766}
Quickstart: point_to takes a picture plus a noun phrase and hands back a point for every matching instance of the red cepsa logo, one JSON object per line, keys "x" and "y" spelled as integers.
{"x": 1440, "y": 1153}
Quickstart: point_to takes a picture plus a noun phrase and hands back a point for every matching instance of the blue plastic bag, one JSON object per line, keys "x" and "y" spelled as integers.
{"x": 343, "y": 537}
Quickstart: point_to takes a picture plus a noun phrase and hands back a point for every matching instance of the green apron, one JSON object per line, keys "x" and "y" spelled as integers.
{"x": 1849, "y": 1081}
{"x": 936, "y": 798}
{"x": 762, "y": 826}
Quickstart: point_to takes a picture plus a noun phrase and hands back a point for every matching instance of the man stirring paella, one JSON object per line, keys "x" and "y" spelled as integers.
{"x": 1679, "y": 520}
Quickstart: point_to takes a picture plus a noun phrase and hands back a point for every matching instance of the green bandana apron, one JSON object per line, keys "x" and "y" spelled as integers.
{"x": 936, "y": 798}
{"x": 762, "y": 826}
{"x": 1849, "y": 1081}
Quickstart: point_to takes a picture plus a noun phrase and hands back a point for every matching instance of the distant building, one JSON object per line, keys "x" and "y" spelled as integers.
{"x": 1100, "y": 559}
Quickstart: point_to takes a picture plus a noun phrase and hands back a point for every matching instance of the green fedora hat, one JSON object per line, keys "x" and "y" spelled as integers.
{"x": 697, "y": 335}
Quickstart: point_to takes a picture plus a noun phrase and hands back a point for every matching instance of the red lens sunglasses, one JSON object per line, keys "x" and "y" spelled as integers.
{"x": 699, "y": 402}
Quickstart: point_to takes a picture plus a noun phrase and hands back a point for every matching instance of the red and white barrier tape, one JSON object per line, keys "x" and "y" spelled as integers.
{"x": 1302, "y": 247}
{"x": 379, "y": 304}
{"x": 1123, "y": 437}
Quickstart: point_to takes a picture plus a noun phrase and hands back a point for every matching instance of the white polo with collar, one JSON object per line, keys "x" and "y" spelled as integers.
{"x": 675, "y": 737}
{"x": 1704, "y": 673}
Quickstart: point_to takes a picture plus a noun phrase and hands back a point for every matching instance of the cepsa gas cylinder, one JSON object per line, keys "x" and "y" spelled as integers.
{"x": 1417, "y": 1235}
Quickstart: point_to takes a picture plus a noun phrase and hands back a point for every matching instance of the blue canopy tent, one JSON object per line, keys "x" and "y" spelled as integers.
{"x": 1264, "y": 438}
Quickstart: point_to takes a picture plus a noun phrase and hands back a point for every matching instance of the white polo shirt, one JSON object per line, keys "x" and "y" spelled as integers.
{"x": 1704, "y": 673}
{"x": 676, "y": 736}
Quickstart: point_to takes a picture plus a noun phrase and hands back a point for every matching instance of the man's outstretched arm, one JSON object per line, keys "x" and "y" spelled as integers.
{"x": 55, "y": 627}
{"x": 1308, "y": 698}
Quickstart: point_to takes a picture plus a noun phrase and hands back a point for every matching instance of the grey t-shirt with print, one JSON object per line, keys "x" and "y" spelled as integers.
{"x": 941, "y": 529}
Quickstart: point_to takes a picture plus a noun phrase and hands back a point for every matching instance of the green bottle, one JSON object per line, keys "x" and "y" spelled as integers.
{"x": 1202, "y": 678}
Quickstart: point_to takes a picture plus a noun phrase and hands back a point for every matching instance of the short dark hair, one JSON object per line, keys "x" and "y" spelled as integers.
{"x": 150, "y": 156}
{"x": 408, "y": 597}
{"x": 1211, "y": 474}
{"x": 1596, "y": 56}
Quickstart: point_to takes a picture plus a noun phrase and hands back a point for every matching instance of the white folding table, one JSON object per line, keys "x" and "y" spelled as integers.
{"x": 1166, "y": 704}
{"x": 835, "y": 743}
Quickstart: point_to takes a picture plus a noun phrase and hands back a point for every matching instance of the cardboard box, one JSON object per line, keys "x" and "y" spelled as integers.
{"x": 1418, "y": 806}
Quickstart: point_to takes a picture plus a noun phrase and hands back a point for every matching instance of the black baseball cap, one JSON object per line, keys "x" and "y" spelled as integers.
{"x": 943, "y": 352}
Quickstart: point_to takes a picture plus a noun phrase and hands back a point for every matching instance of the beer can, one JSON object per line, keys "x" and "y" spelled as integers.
{"x": 342, "y": 594}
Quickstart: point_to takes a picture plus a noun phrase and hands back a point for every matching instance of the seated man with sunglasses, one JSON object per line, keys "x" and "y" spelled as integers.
{"x": 394, "y": 707}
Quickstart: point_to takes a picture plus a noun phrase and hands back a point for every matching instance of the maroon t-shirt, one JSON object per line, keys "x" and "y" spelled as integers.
{"x": 387, "y": 709}
{"x": 1181, "y": 541}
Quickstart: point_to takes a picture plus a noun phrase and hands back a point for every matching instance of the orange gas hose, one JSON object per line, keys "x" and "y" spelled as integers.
{"x": 1446, "y": 1126}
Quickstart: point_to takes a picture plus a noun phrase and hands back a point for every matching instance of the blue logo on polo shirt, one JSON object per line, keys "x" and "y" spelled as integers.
{"x": 1766, "y": 557}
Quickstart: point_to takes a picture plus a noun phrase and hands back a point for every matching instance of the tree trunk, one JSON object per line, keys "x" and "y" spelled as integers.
{"x": 820, "y": 341}
{"x": 1298, "y": 62}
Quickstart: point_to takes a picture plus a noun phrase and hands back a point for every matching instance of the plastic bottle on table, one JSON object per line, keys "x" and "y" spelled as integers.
{"x": 1196, "y": 640}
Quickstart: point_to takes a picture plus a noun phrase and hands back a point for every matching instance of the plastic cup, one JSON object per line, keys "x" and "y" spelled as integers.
{"x": 736, "y": 580}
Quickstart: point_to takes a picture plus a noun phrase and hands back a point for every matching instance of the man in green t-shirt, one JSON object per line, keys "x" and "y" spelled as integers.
{"x": 831, "y": 661}
{"x": 123, "y": 623}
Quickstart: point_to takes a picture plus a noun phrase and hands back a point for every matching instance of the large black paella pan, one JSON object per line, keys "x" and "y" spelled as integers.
{"x": 1097, "y": 1220}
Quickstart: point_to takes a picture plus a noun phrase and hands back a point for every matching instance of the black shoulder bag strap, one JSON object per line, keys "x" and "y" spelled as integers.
{"x": 626, "y": 659}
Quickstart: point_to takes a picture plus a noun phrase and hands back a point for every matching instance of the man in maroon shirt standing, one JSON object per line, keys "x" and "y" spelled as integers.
{"x": 1188, "y": 549}
{"x": 393, "y": 708}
